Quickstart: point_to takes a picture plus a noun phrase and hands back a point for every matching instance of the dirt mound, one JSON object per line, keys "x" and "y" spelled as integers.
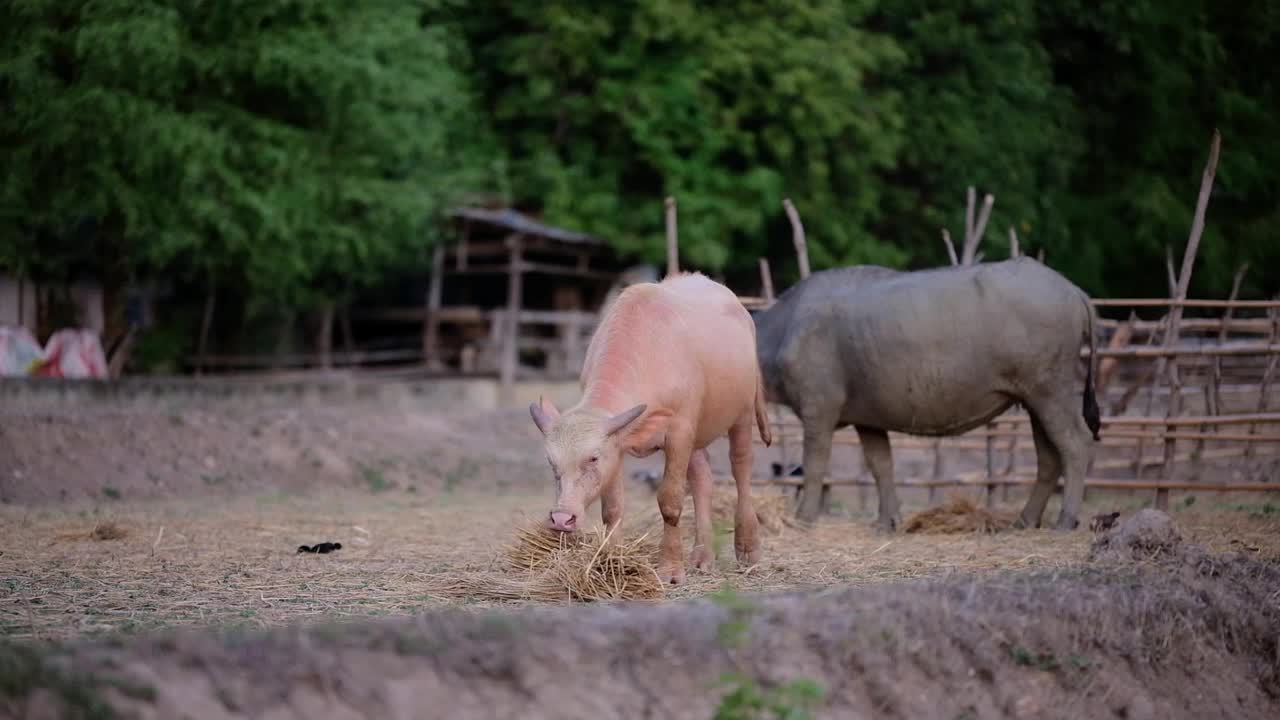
{"x": 1148, "y": 534}
{"x": 959, "y": 514}
{"x": 1137, "y": 640}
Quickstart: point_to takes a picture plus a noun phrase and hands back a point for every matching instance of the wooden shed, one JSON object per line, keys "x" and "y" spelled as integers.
{"x": 514, "y": 296}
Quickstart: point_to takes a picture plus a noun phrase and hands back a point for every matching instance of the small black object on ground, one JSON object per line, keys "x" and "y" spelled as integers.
{"x": 324, "y": 547}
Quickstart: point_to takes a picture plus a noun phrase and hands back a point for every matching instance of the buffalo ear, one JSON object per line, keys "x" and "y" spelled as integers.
{"x": 623, "y": 419}
{"x": 544, "y": 413}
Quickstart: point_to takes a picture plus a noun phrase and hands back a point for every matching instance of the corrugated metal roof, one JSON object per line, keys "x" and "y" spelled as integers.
{"x": 519, "y": 222}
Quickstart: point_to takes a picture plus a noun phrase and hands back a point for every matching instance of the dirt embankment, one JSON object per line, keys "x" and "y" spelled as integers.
{"x": 1193, "y": 636}
{"x": 111, "y": 453}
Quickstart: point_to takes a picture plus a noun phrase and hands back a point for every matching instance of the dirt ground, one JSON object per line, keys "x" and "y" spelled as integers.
{"x": 127, "y": 521}
{"x": 1189, "y": 636}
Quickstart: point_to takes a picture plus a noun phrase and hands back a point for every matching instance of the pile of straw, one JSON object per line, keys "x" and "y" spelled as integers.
{"x": 106, "y": 530}
{"x": 959, "y": 514}
{"x": 586, "y": 566}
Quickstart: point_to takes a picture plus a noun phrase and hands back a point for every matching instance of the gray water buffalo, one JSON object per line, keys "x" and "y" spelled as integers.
{"x": 934, "y": 352}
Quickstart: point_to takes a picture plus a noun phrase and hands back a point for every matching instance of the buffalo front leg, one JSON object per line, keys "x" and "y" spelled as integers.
{"x": 700, "y": 479}
{"x": 611, "y": 504}
{"x": 678, "y": 450}
{"x": 817, "y": 456}
{"x": 746, "y": 526}
{"x": 879, "y": 457}
{"x": 1048, "y": 467}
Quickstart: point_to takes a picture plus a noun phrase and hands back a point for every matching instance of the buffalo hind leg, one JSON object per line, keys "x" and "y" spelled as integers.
{"x": 1048, "y": 468}
{"x": 879, "y": 457}
{"x": 746, "y": 526}
{"x": 817, "y": 456}
{"x": 1066, "y": 429}
{"x": 700, "y": 480}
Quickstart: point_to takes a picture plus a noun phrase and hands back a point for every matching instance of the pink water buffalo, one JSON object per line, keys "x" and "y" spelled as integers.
{"x": 672, "y": 366}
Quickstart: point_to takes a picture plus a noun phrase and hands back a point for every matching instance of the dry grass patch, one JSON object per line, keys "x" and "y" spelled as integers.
{"x": 235, "y": 561}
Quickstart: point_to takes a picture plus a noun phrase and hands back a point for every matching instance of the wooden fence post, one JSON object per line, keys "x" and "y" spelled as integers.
{"x": 511, "y": 345}
{"x": 1175, "y": 313}
{"x": 431, "y": 324}
{"x": 797, "y": 237}
{"x": 766, "y": 281}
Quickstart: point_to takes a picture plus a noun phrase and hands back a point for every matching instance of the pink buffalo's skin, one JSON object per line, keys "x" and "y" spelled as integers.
{"x": 671, "y": 367}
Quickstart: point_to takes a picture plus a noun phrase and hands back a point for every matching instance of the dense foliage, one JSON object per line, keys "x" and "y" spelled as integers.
{"x": 294, "y": 151}
{"x": 287, "y": 149}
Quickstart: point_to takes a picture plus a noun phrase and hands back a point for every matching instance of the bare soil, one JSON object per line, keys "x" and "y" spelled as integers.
{"x": 149, "y": 566}
{"x": 104, "y": 453}
{"x": 1178, "y": 639}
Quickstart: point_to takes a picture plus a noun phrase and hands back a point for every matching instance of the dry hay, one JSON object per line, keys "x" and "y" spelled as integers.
{"x": 588, "y": 566}
{"x": 233, "y": 561}
{"x": 105, "y": 530}
{"x": 959, "y": 514}
{"x": 109, "y": 530}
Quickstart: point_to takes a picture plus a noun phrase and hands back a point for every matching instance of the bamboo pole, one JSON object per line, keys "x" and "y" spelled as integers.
{"x": 1175, "y": 314}
{"x": 1100, "y": 483}
{"x": 1242, "y": 348}
{"x": 673, "y": 248}
{"x": 766, "y": 280}
{"x": 1212, "y": 396}
{"x": 971, "y": 256}
{"x": 1252, "y": 326}
{"x": 1185, "y": 303}
{"x": 951, "y": 248}
{"x": 971, "y": 203}
{"x": 1267, "y": 376}
{"x": 980, "y": 436}
{"x": 1014, "y": 250}
{"x": 797, "y": 237}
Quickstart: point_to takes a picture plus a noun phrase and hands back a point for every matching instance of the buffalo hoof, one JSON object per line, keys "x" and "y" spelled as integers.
{"x": 701, "y": 558}
{"x": 1066, "y": 523}
{"x": 671, "y": 574}
{"x": 800, "y": 523}
{"x": 807, "y": 516}
{"x": 748, "y": 553}
{"x": 888, "y": 525}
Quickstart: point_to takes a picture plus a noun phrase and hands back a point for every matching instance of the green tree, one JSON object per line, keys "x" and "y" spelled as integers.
{"x": 1150, "y": 81}
{"x": 605, "y": 108}
{"x": 292, "y": 149}
{"x": 981, "y": 109}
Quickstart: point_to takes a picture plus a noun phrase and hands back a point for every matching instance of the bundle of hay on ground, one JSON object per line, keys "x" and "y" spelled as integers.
{"x": 959, "y": 515}
{"x": 590, "y": 565}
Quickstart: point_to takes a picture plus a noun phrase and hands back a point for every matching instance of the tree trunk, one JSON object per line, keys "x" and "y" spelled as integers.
{"x": 206, "y": 320}
{"x": 324, "y": 336}
{"x": 344, "y": 321}
{"x": 283, "y": 340}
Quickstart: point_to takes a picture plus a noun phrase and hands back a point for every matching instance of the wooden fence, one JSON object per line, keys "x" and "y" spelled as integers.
{"x": 1215, "y": 425}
